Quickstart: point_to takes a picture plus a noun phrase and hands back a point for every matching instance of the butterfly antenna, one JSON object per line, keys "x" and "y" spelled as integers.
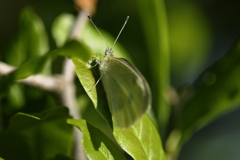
{"x": 97, "y": 29}
{"x": 120, "y": 31}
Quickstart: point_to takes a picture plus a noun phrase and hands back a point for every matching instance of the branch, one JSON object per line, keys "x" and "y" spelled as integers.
{"x": 47, "y": 83}
{"x": 5, "y": 68}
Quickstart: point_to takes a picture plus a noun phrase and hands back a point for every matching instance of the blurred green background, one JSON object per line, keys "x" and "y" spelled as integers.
{"x": 200, "y": 32}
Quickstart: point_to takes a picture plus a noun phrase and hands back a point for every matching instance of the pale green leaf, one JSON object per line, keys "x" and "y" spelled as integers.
{"x": 88, "y": 74}
{"x": 141, "y": 141}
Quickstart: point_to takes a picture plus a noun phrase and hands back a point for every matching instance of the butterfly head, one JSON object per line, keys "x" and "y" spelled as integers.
{"x": 109, "y": 52}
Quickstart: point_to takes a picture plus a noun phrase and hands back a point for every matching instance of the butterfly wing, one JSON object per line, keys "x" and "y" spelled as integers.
{"x": 128, "y": 93}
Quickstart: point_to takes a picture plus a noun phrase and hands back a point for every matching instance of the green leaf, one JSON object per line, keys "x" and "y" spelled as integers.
{"x": 31, "y": 41}
{"x": 88, "y": 75}
{"x": 82, "y": 57}
{"x": 141, "y": 141}
{"x": 154, "y": 21}
{"x": 96, "y": 144}
{"x": 61, "y": 28}
{"x": 216, "y": 92}
{"x": 88, "y": 78}
{"x": 37, "y": 137}
{"x": 75, "y": 49}
{"x": 16, "y": 96}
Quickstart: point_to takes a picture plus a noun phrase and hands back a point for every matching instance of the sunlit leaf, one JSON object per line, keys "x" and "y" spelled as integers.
{"x": 141, "y": 141}
{"x": 88, "y": 75}
{"x": 96, "y": 144}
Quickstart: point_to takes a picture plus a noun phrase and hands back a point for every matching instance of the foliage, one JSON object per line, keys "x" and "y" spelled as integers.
{"x": 34, "y": 128}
